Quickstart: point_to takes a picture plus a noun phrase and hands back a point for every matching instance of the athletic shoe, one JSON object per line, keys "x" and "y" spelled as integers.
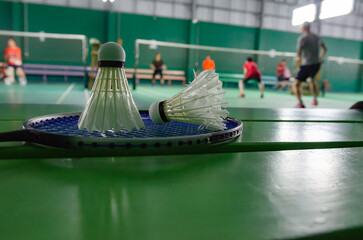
{"x": 22, "y": 81}
{"x": 299, "y": 105}
{"x": 241, "y": 95}
{"x": 154, "y": 84}
{"x": 8, "y": 81}
{"x": 315, "y": 102}
{"x": 261, "y": 95}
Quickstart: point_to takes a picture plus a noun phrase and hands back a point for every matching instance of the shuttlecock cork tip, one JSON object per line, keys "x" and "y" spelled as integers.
{"x": 111, "y": 54}
{"x": 156, "y": 113}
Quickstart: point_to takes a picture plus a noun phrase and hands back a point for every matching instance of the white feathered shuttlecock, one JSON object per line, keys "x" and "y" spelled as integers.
{"x": 201, "y": 103}
{"x": 111, "y": 106}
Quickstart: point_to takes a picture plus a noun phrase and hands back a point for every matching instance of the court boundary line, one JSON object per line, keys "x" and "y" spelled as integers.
{"x": 65, "y": 93}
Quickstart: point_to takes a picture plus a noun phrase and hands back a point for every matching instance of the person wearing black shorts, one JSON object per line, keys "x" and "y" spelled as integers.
{"x": 251, "y": 72}
{"x": 309, "y": 61}
{"x": 255, "y": 77}
{"x": 157, "y": 65}
{"x": 307, "y": 71}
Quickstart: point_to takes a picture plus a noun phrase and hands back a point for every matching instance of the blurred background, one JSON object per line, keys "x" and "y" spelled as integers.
{"x": 229, "y": 29}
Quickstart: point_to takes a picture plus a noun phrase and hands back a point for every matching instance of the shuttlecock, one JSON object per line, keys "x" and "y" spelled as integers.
{"x": 200, "y": 103}
{"x": 111, "y": 106}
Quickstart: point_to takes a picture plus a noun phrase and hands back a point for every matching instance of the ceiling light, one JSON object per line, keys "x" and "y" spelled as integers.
{"x": 335, "y": 8}
{"x": 303, "y": 14}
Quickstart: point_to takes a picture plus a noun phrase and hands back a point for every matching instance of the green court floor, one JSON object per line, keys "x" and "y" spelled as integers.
{"x": 263, "y": 195}
{"x": 292, "y": 174}
{"x": 74, "y": 93}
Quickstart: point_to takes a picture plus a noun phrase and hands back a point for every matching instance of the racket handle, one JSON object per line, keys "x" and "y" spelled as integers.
{"x": 34, "y": 136}
{"x": 15, "y": 136}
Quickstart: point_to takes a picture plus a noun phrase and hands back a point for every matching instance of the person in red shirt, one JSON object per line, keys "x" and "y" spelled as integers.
{"x": 283, "y": 75}
{"x": 208, "y": 63}
{"x": 251, "y": 72}
{"x": 14, "y": 61}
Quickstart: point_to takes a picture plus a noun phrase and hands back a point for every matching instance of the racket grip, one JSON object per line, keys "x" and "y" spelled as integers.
{"x": 15, "y": 136}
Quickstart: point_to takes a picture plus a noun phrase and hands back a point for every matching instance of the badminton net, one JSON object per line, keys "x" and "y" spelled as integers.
{"x": 229, "y": 62}
{"x": 48, "y": 48}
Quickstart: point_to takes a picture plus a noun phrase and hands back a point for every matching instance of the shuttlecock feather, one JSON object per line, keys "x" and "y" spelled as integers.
{"x": 111, "y": 106}
{"x": 202, "y": 103}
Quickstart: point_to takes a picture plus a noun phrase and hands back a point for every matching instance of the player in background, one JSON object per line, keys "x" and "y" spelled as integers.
{"x": 309, "y": 61}
{"x": 283, "y": 75}
{"x": 251, "y": 72}
{"x": 14, "y": 61}
{"x": 157, "y": 65}
{"x": 208, "y": 63}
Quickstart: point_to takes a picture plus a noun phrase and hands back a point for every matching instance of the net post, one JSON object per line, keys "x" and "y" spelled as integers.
{"x": 134, "y": 78}
{"x": 84, "y": 60}
{"x": 136, "y": 54}
{"x": 86, "y": 77}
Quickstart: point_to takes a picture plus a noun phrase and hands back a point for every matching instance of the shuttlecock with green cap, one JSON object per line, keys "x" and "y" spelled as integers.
{"x": 111, "y": 106}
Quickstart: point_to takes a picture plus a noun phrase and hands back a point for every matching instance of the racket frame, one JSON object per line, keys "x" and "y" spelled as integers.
{"x": 31, "y": 134}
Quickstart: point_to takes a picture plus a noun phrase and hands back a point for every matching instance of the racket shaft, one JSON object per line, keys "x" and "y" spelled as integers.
{"x": 15, "y": 136}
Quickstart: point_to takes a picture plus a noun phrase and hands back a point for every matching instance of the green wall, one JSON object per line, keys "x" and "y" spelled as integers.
{"x": 344, "y": 77}
{"x": 221, "y": 35}
{"x": 279, "y": 41}
{"x": 6, "y": 16}
{"x": 53, "y": 19}
{"x": 67, "y": 20}
{"x": 161, "y": 29}
{"x": 103, "y": 26}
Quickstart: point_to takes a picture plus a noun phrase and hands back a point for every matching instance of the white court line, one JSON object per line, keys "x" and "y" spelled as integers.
{"x": 86, "y": 94}
{"x": 66, "y": 92}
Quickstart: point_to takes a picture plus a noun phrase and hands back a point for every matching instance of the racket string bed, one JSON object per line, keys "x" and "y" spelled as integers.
{"x": 67, "y": 126}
